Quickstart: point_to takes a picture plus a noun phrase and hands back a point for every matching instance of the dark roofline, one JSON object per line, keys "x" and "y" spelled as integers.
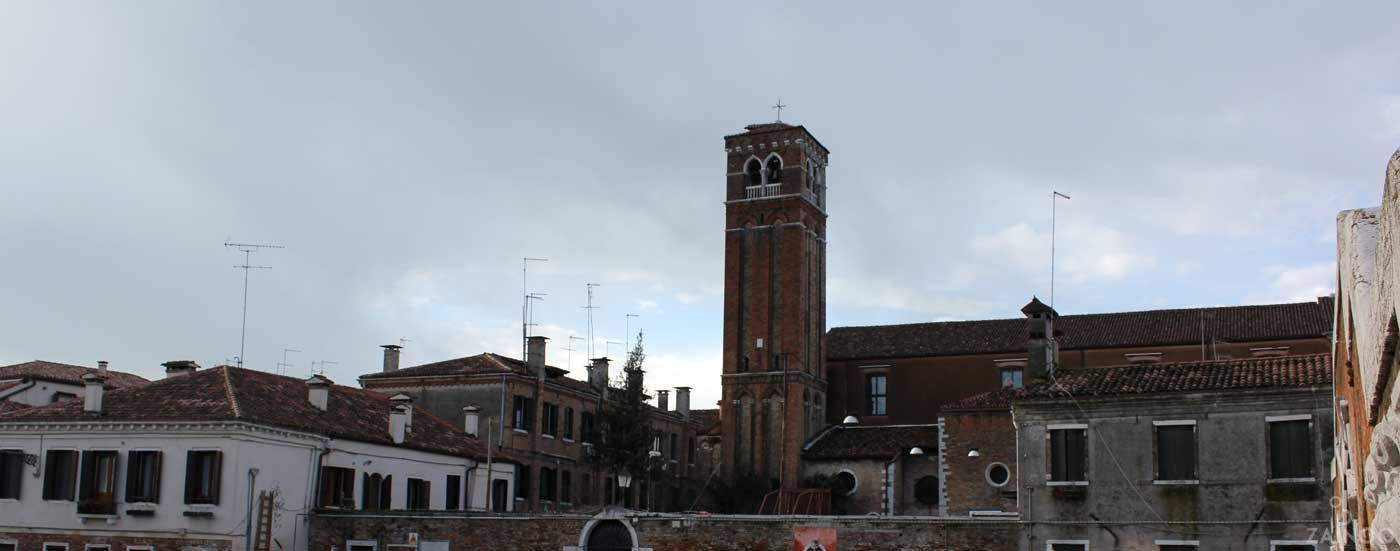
{"x": 1062, "y": 317}
{"x": 780, "y": 129}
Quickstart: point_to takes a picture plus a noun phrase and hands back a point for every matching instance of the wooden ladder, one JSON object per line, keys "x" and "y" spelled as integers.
{"x": 262, "y": 538}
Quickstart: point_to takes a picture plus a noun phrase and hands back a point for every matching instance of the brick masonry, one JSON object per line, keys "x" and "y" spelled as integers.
{"x": 33, "y": 541}
{"x": 965, "y": 478}
{"x": 663, "y": 532}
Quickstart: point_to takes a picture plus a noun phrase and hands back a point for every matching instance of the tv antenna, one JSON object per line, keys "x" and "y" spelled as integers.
{"x": 1054, "y": 200}
{"x": 572, "y": 338}
{"x": 247, "y": 249}
{"x": 589, "y": 308}
{"x": 525, "y": 303}
{"x": 282, "y": 367}
{"x": 607, "y": 344}
{"x": 627, "y": 338}
{"x": 323, "y": 365}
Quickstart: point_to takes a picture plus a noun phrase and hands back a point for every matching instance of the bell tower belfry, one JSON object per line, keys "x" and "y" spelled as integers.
{"x": 774, "y": 377}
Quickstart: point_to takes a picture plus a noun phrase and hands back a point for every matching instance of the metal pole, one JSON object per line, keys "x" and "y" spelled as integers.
{"x": 1054, "y": 195}
{"x": 243, "y": 335}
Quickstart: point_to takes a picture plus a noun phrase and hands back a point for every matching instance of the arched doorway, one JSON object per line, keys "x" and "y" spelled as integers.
{"x": 609, "y": 535}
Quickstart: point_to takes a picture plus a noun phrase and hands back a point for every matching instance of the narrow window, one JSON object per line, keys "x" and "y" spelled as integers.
{"x": 753, "y": 173}
{"x": 11, "y": 473}
{"x": 55, "y": 546}
{"x": 586, "y": 427}
{"x": 550, "y": 426}
{"x": 1178, "y": 546}
{"x": 568, "y": 423}
{"x": 337, "y": 487}
{"x": 524, "y": 413}
{"x": 361, "y": 546}
{"x": 202, "y": 477}
{"x": 454, "y": 492}
{"x": 143, "y": 477}
{"x": 1176, "y": 451}
{"x": 9, "y": 545}
{"x": 386, "y": 493}
{"x": 1290, "y": 449}
{"x": 547, "y": 482}
{"x": 587, "y": 490}
{"x": 1012, "y": 377}
{"x": 1069, "y": 451}
{"x": 499, "y": 490}
{"x": 60, "y": 474}
{"x": 775, "y": 170}
{"x": 369, "y": 492}
{"x": 522, "y": 482}
{"x": 419, "y": 492}
{"x": 690, "y": 455}
{"x": 675, "y": 447}
{"x": 1059, "y": 545}
{"x": 97, "y": 487}
{"x": 566, "y": 487}
{"x": 875, "y": 394}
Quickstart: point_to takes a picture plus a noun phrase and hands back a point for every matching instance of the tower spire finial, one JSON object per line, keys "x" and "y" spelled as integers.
{"x": 779, "y": 108}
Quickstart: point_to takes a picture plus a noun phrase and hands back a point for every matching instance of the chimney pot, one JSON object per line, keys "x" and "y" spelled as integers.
{"x": 398, "y": 423}
{"x": 473, "y": 420}
{"x": 318, "y": 392}
{"x": 598, "y": 375}
{"x": 534, "y": 355}
{"x": 179, "y": 367}
{"x": 92, "y": 392}
{"x": 683, "y": 401}
{"x": 663, "y": 400}
{"x": 391, "y": 357}
{"x": 406, "y": 402}
{"x": 102, "y": 366}
{"x": 1042, "y": 350}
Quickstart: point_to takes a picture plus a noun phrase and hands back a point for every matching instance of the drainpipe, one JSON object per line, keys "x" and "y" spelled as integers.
{"x": 248, "y": 531}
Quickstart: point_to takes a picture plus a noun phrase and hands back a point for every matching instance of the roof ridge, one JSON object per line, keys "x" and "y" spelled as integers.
{"x": 1090, "y": 314}
{"x": 228, "y": 390}
{"x": 1217, "y": 361}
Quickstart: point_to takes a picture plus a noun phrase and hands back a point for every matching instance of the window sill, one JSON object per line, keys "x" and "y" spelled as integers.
{"x": 199, "y": 514}
{"x": 1176, "y": 482}
{"x": 1300, "y": 480}
{"x": 520, "y": 431}
{"x": 547, "y": 436}
{"x": 568, "y": 440}
{"x": 1068, "y": 483}
{"x": 98, "y": 516}
{"x": 140, "y": 512}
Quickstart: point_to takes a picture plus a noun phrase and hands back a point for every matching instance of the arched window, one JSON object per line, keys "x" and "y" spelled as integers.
{"x": 753, "y": 173}
{"x": 926, "y": 490}
{"x": 610, "y": 535}
{"x": 775, "y": 170}
{"x": 845, "y": 483}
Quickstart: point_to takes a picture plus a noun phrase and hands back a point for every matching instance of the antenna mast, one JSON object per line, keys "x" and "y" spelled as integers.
{"x": 282, "y": 367}
{"x": 247, "y": 249}
{"x": 1055, "y": 195}
{"x": 525, "y": 304}
{"x": 589, "y": 308}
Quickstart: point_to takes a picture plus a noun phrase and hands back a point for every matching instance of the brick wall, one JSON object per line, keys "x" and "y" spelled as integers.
{"x": 664, "y": 532}
{"x": 965, "y": 483}
{"x": 28, "y": 541}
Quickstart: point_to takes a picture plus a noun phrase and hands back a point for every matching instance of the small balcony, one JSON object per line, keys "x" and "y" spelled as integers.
{"x": 766, "y": 190}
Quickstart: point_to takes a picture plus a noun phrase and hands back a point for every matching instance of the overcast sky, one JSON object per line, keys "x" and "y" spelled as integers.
{"x": 408, "y": 156}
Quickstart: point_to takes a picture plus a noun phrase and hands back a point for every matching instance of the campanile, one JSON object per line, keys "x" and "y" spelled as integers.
{"x": 774, "y": 378}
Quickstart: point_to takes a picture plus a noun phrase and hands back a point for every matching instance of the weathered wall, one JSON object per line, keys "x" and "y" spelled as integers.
{"x": 966, "y": 487}
{"x": 665, "y": 532}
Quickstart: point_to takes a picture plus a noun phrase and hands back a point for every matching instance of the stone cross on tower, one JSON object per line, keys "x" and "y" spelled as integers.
{"x": 779, "y": 108}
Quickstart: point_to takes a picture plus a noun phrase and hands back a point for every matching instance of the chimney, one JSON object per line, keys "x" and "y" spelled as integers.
{"x": 1042, "y": 351}
{"x": 92, "y": 392}
{"x": 179, "y": 367}
{"x": 683, "y": 401}
{"x": 318, "y": 391}
{"x": 102, "y": 367}
{"x": 534, "y": 355}
{"x": 598, "y": 375}
{"x": 663, "y": 400}
{"x": 391, "y": 357}
{"x": 398, "y": 423}
{"x": 406, "y": 402}
{"x": 473, "y": 420}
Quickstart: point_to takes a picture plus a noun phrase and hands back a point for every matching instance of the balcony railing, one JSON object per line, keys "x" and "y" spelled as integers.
{"x": 761, "y": 191}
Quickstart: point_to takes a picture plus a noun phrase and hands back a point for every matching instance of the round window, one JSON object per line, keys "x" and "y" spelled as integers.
{"x": 926, "y": 490}
{"x": 998, "y": 474}
{"x": 845, "y": 483}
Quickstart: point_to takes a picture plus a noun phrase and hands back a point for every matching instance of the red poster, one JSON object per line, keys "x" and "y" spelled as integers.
{"x": 812, "y": 538}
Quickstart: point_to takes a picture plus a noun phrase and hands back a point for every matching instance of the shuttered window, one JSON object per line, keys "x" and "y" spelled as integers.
{"x": 338, "y": 487}
{"x": 143, "y": 477}
{"x": 11, "y": 473}
{"x": 1290, "y": 449}
{"x": 203, "y": 473}
{"x": 1069, "y": 453}
{"x": 1176, "y": 452}
{"x": 97, "y": 487}
{"x": 454, "y": 492}
{"x": 419, "y": 492}
{"x": 60, "y": 475}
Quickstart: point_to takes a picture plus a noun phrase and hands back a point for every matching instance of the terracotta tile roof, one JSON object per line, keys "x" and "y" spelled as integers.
{"x": 7, "y": 406}
{"x": 234, "y": 394}
{"x": 706, "y": 419}
{"x": 1117, "y": 329}
{"x": 1203, "y": 376}
{"x": 872, "y": 442}
{"x": 480, "y": 364}
{"x": 66, "y": 373}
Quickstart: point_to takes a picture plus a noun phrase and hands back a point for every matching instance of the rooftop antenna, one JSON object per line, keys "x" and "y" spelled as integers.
{"x": 525, "y": 303}
{"x": 282, "y": 367}
{"x": 608, "y": 343}
{"x": 247, "y": 249}
{"x": 571, "y": 350}
{"x": 323, "y": 365}
{"x": 1054, "y": 200}
{"x": 627, "y": 338}
{"x": 589, "y": 308}
{"x": 779, "y": 108}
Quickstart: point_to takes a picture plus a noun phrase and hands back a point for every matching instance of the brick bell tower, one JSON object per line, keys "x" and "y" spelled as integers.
{"x": 774, "y": 378}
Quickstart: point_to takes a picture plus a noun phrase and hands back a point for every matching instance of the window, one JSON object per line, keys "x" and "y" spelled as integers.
{"x": 566, "y": 487}
{"x": 1176, "y": 450}
{"x": 50, "y": 546}
{"x": 369, "y": 491}
{"x": 547, "y": 482}
{"x": 550, "y": 427}
{"x": 454, "y": 492}
{"x": 690, "y": 451}
{"x": 846, "y": 483}
{"x": 775, "y": 170}
{"x": 11, "y": 473}
{"x": 675, "y": 446}
{"x": 97, "y": 547}
{"x": 1292, "y": 545}
{"x": 1066, "y": 545}
{"x": 361, "y": 545}
{"x": 586, "y": 492}
{"x": 1069, "y": 452}
{"x": 875, "y": 394}
{"x": 926, "y": 490}
{"x": 522, "y": 482}
{"x": 143, "y": 477}
{"x": 419, "y": 492}
{"x": 9, "y": 545}
{"x": 997, "y": 474}
{"x": 568, "y": 423}
{"x": 60, "y": 475}
{"x": 499, "y": 491}
{"x": 1178, "y": 545}
{"x": 202, "y": 476}
{"x": 586, "y": 427}
{"x": 524, "y": 413}
{"x": 1290, "y": 447}
{"x": 1012, "y": 377}
{"x": 62, "y": 397}
{"x": 753, "y": 173}
{"x": 338, "y": 487}
{"x": 97, "y": 488}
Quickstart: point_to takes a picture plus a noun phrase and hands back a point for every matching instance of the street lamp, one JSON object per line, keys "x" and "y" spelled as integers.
{"x": 850, "y": 420}
{"x": 624, "y": 481}
{"x": 916, "y": 451}
{"x": 974, "y": 453}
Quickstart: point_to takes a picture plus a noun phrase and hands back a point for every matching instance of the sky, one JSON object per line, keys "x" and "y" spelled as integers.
{"x": 408, "y": 156}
